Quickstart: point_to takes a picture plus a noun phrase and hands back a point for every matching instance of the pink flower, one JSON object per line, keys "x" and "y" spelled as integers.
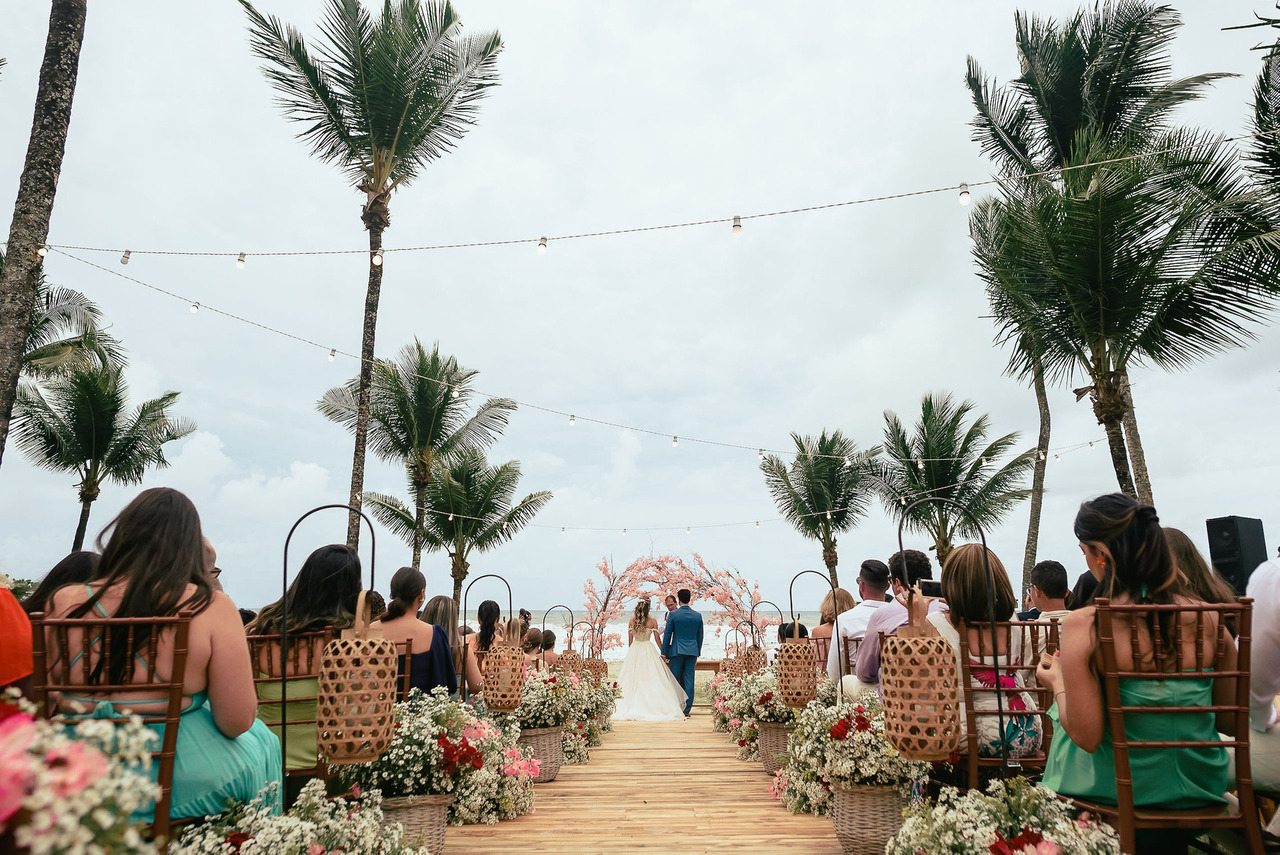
{"x": 315, "y": 849}
{"x": 74, "y": 766}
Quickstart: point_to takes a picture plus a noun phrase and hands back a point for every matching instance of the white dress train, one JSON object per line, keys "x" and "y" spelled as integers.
{"x": 649, "y": 689}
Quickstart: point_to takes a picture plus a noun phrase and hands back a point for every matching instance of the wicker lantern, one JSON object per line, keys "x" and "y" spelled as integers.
{"x": 503, "y": 677}
{"x": 733, "y": 667}
{"x": 568, "y": 663}
{"x": 597, "y": 668}
{"x": 797, "y": 672}
{"x": 921, "y": 697}
{"x": 755, "y": 660}
{"x": 357, "y": 692}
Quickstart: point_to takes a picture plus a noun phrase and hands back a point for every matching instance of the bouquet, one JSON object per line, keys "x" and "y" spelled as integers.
{"x": 315, "y": 825}
{"x": 546, "y": 702}
{"x": 1013, "y": 816}
{"x": 75, "y": 788}
{"x": 762, "y": 693}
{"x": 503, "y": 787}
{"x": 429, "y": 754}
{"x": 858, "y": 753}
{"x": 573, "y": 742}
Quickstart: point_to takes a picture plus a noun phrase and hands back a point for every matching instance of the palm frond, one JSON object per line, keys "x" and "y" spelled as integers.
{"x": 1264, "y": 151}
{"x": 394, "y": 515}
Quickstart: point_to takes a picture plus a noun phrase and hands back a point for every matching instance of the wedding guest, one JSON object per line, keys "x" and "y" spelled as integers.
{"x": 968, "y": 591}
{"x": 479, "y": 643}
{"x": 441, "y": 611}
{"x": 669, "y": 605}
{"x": 907, "y": 568}
{"x": 1083, "y": 591}
{"x": 378, "y": 605}
{"x": 322, "y": 597}
{"x": 526, "y": 619}
{"x": 76, "y": 568}
{"x": 833, "y": 603}
{"x": 152, "y": 566}
{"x": 549, "y": 654}
{"x": 1048, "y": 594}
{"x": 873, "y": 583}
{"x": 787, "y": 630}
{"x": 247, "y": 616}
{"x": 1264, "y": 747}
{"x": 431, "y": 662}
{"x": 1201, "y": 580}
{"x": 1126, "y": 551}
{"x": 531, "y": 646}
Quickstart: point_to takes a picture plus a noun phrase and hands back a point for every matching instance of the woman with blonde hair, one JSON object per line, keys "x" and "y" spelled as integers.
{"x": 441, "y": 611}
{"x": 649, "y": 689}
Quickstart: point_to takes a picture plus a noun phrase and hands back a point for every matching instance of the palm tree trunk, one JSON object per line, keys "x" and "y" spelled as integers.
{"x": 36, "y": 188}
{"x": 1133, "y": 441}
{"x": 459, "y": 569}
{"x": 1037, "y": 479}
{"x": 831, "y": 559}
{"x": 371, "y": 297}
{"x": 419, "y": 520}
{"x": 85, "y": 505}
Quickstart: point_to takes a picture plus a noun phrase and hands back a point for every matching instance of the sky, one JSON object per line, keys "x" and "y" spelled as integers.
{"x": 608, "y": 116}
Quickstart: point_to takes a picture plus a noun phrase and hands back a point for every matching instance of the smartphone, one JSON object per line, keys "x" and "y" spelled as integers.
{"x": 930, "y": 588}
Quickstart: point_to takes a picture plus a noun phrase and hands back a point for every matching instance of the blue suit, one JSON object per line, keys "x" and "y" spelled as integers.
{"x": 682, "y": 645}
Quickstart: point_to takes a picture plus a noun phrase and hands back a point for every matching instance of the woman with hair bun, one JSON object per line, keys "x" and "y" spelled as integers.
{"x": 1127, "y": 552}
{"x": 441, "y": 611}
{"x": 431, "y": 663}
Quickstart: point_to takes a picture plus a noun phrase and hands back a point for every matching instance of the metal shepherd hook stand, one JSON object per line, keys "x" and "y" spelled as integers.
{"x": 835, "y": 629}
{"x": 463, "y": 617}
{"x": 1005, "y": 765}
{"x": 284, "y": 615}
{"x": 754, "y": 630}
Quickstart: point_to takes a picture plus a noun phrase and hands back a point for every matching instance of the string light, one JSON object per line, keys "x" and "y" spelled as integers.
{"x": 920, "y": 464}
{"x": 240, "y": 262}
{"x": 675, "y": 441}
{"x": 624, "y": 532}
{"x": 333, "y": 354}
{"x": 828, "y": 514}
{"x": 737, "y": 226}
{"x": 760, "y": 454}
{"x": 757, "y": 523}
{"x": 542, "y": 245}
{"x": 1091, "y": 443}
{"x": 572, "y": 421}
{"x": 688, "y": 529}
{"x": 1057, "y": 457}
{"x": 124, "y": 259}
{"x": 1042, "y": 455}
{"x": 376, "y": 261}
{"x": 195, "y": 307}
{"x": 455, "y": 392}
{"x": 450, "y": 517}
{"x": 43, "y": 250}
{"x": 562, "y": 529}
{"x": 964, "y": 194}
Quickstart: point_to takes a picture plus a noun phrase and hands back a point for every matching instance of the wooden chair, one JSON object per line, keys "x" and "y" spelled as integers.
{"x": 851, "y": 646}
{"x": 66, "y": 653}
{"x": 305, "y": 652}
{"x": 404, "y": 656}
{"x": 1037, "y": 637}
{"x": 821, "y": 647}
{"x": 1170, "y": 665}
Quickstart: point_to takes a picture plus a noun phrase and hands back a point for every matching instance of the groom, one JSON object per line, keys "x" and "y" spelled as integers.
{"x": 682, "y": 644}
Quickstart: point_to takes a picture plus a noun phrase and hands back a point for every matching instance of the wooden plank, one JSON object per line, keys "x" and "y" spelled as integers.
{"x": 668, "y": 787}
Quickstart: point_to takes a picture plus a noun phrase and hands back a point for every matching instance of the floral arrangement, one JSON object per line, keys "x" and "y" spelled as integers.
{"x": 430, "y": 752}
{"x": 718, "y": 691}
{"x": 315, "y": 825}
{"x": 1014, "y": 816}
{"x": 503, "y": 787}
{"x": 547, "y": 701}
{"x": 75, "y": 788}
{"x": 573, "y": 741}
{"x": 858, "y": 752}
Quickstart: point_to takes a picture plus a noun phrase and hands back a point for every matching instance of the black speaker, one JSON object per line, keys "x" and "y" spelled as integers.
{"x": 1236, "y": 548}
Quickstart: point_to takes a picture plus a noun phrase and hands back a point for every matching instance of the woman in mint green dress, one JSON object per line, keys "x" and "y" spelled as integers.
{"x": 1126, "y": 551}
{"x": 152, "y": 566}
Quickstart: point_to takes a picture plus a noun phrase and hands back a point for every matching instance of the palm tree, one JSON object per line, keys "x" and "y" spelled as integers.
{"x": 36, "y": 189}
{"x": 1264, "y": 150}
{"x": 418, "y": 412}
{"x": 826, "y": 490}
{"x": 469, "y": 509}
{"x": 381, "y": 98}
{"x": 1155, "y": 260}
{"x": 81, "y": 425}
{"x": 944, "y": 457}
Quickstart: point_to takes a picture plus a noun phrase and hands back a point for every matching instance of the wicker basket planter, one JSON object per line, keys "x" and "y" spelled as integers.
{"x": 773, "y": 744}
{"x": 544, "y": 744}
{"x": 425, "y": 817}
{"x": 866, "y": 817}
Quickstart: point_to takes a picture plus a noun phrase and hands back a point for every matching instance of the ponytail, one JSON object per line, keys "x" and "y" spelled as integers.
{"x": 406, "y": 585}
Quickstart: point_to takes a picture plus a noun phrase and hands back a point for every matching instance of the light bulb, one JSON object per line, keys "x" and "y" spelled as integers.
{"x": 688, "y": 530}
{"x": 903, "y": 501}
{"x": 1091, "y": 445}
{"x": 376, "y": 261}
{"x": 454, "y": 393}
{"x": 562, "y": 529}
{"x": 828, "y": 514}
{"x": 920, "y": 465}
{"x": 737, "y": 226}
{"x": 964, "y": 194}
{"x": 1041, "y": 455}
{"x": 240, "y": 262}
{"x": 1056, "y": 457}
{"x": 572, "y": 421}
{"x": 624, "y": 532}
{"x": 757, "y": 523}
{"x": 450, "y": 517}
{"x": 195, "y": 307}
{"x": 760, "y": 454}
{"x": 124, "y": 259}
{"x": 675, "y": 441}
{"x": 333, "y": 354}
{"x": 542, "y": 245}
{"x": 43, "y": 250}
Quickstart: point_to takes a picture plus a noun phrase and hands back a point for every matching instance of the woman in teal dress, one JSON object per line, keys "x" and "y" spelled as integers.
{"x": 153, "y": 566}
{"x": 1126, "y": 551}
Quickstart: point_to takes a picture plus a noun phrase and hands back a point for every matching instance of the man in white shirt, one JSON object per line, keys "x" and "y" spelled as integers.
{"x": 873, "y": 582}
{"x": 671, "y": 605}
{"x": 1264, "y": 747}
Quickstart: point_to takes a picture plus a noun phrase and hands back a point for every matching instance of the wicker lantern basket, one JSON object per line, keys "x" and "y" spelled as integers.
{"x": 797, "y": 672}
{"x": 865, "y": 817}
{"x": 544, "y": 743}
{"x": 355, "y": 702}
{"x": 755, "y": 660}
{"x": 569, "y": 663}
{"x": 921, "y": 697}
{"x": 597, "y": 668}
{"x": 773, "y": 745}
{"x": 425, "y": 817}
{"x": 503, "y": 678}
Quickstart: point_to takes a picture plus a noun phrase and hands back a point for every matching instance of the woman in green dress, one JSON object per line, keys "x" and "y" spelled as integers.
{"x": 1125, "y": 549}
{"x": 321, "y": 599}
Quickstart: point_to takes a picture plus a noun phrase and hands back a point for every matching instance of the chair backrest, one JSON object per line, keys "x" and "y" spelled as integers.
{"x": 851, "y": 645}
{"x": 67, "y": 655}
{"x": 1194, "y": 624}
{"x": 821, "y": 647}
{"x": 306, "y": 649}
{"x": 1036, "y": 637}
{"x": 404, "y": 658}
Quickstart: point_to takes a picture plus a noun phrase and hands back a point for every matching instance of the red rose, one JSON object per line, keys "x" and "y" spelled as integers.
{"x": 742, "y": 743}
{"x": 840, "y": 730}
{"x": 238, "y": 839}
{"x": 765, "y": 698}
{"x": 862, "y": 722}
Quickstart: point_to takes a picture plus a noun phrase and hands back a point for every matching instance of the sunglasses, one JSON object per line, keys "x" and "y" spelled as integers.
{"x": 215, "y": 572}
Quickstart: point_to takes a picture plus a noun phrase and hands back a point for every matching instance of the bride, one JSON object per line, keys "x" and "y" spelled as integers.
{"x": 649, "y": 689}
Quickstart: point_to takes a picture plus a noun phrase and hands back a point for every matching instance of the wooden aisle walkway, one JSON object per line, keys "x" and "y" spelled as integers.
{"x": 671, "y": 787}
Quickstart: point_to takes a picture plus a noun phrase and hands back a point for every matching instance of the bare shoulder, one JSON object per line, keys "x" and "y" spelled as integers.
{"x": 652, "y": 624}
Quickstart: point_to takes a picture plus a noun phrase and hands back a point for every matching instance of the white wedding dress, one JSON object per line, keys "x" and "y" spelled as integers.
{"x": 649, "y": 689}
